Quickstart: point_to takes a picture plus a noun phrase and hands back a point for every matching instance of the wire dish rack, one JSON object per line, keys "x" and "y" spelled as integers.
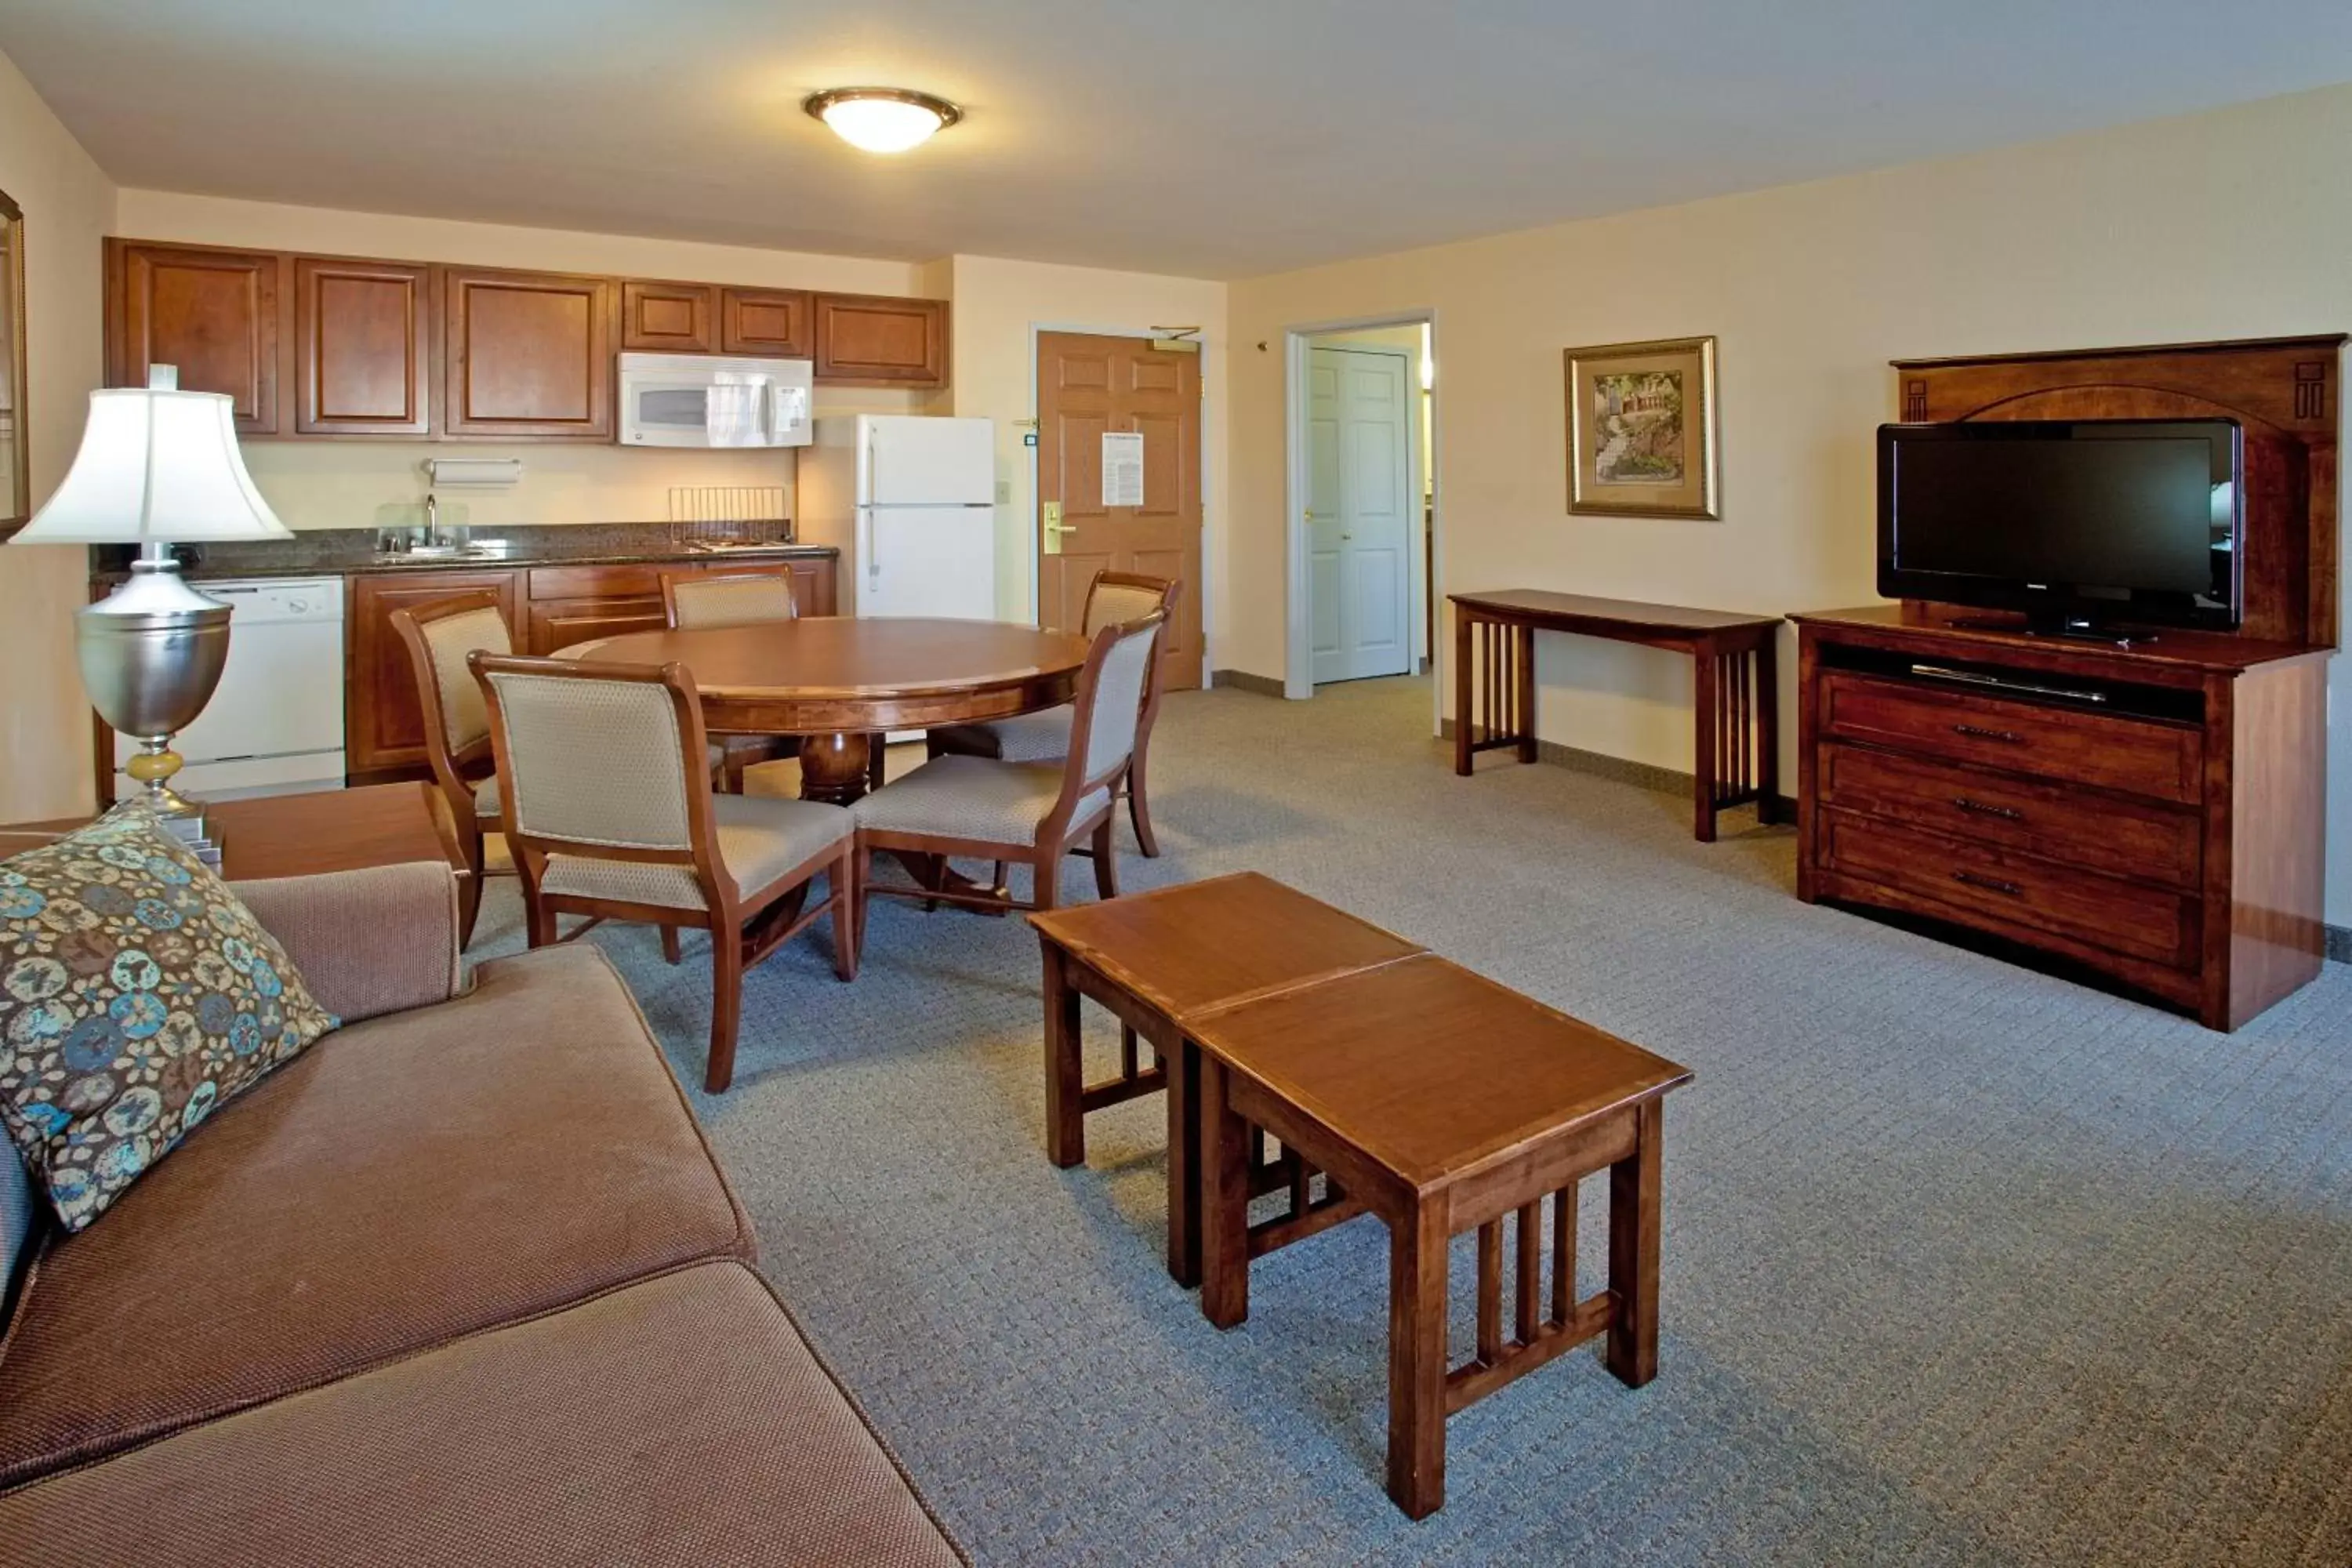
{"x": 728, "y": 517}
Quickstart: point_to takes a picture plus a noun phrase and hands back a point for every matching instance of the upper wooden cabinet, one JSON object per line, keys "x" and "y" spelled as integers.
{"x": 868, "y": 339}
{"x": 527, "y": 354}
{"x": 362, "y": 348}
{"x": 770, "y": 323}
{"x": 212, "y": 313}
{"x": 669, "y": 318}
{"x": 352, "y": 346}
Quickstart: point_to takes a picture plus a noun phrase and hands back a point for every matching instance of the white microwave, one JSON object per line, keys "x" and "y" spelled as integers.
{"x": 703, "y": 400}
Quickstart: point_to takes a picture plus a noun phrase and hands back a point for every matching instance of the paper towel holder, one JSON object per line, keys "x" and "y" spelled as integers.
{"x": 458, "y": 473}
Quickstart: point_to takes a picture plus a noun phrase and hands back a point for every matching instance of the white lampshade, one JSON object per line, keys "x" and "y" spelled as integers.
{"x": 155, "y": 464}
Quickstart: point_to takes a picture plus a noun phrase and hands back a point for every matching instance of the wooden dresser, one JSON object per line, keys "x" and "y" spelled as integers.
{"x": 2169, "y": 835}
{"x": 2153, "y": 812}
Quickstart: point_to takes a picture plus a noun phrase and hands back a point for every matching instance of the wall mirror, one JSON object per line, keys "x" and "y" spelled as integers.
{"x": 16, "y": 486}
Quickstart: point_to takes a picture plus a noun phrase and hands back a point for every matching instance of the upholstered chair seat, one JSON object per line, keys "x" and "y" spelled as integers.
{"x": 971, "y": 797}
{"x": 609, "y": 808}
{"x": 1033, "y": 813}
{"x": 1113, "y": 598}
{"x": 760, "y": 840}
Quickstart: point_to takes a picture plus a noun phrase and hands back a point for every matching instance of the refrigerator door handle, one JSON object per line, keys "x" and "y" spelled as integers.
{"x": 866, "y": 537}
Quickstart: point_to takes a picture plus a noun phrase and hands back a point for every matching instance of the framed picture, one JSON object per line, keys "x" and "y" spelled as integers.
{"x": 1641, "y": 429}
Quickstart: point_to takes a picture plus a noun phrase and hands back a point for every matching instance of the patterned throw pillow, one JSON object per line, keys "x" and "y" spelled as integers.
{"x": 136, "y": 996}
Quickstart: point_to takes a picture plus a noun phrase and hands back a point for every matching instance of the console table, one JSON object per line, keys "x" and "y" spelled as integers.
{"x": 1736, "y": 689}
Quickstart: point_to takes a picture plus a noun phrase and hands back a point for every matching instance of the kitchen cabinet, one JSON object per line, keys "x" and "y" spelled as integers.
{"x": 363, "y": 347}
{"x": 868, "y": 339}
{"x": 774, "y": 323}
{"x": 669, "y": 318}
{"x": 213, "y": 313}
{"x": 527, "y": 354}
{"x": 383, "y": 726}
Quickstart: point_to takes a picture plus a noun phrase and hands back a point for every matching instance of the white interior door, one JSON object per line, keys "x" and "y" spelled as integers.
{"x": 1359, "y": 522}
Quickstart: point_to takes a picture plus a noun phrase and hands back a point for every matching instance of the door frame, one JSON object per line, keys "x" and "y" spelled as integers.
{"x": 1413, "y": 465}
{"x": 1299, "y": 602}
{"x": 1035, "y": 526}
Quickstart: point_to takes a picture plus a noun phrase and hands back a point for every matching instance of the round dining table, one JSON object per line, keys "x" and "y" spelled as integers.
{"x": 839, "y": 683}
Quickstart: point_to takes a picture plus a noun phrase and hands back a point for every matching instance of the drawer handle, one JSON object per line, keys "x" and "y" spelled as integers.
{"x": 2011, "y": 736}
{"x": 2006, "y": 812}
{"x": 1990, "y": 884}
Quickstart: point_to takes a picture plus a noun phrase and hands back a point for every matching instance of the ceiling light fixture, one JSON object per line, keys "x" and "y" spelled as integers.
{"x": 882, "y": 119}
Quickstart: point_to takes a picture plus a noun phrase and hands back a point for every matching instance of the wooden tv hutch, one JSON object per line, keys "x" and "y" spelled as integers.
{"x": 2170, "y": 838}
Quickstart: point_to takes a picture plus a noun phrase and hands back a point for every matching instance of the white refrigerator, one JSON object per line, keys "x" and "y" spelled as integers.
{"x": 910, "y": 502}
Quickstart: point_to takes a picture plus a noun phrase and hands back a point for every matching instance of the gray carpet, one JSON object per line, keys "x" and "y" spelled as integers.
{"x": 1962, "y": 1264}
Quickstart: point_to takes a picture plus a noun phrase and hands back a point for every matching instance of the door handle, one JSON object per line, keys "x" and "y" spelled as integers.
{"x": 1979, "y": 731}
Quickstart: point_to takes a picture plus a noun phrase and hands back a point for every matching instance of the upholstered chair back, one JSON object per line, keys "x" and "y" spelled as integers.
{"x": 592, "y": 758}
{"x": 449, "y": 639}
{"x": 735, "y": 599}
{"x": 1113, "y": 604}
{"x": 1113, "y": 702}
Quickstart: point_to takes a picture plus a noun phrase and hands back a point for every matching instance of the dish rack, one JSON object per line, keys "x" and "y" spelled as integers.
{"x": 728, "y": 517}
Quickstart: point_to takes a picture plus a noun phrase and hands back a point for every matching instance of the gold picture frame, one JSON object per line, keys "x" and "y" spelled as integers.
{"x": 15, "y": 482}
{"x": 1642, "y": 432}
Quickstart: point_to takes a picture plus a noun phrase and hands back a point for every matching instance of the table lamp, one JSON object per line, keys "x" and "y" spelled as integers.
{"x": 157, "y": 466}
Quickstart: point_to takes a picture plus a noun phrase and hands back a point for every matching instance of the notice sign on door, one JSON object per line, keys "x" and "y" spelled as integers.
{"x": 1122, "y": 468}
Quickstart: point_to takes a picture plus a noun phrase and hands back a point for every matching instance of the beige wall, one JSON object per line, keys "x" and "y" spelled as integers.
{"x": 362, "y": 484}
{"x": 2225, "y": 224}
{"x": 999, "y": 307}
{"x": 68, "y": 205}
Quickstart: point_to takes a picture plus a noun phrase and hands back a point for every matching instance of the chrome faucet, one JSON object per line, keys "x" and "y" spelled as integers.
{"x": 432, "y": 520}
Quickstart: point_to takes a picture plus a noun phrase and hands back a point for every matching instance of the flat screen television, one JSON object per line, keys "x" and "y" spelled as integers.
{"x": 2079, "y": 523}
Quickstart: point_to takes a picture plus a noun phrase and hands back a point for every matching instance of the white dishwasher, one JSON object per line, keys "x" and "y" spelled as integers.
{"x": 275, "y": 724}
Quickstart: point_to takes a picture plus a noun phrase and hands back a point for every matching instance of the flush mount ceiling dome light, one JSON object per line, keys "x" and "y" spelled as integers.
{"x": 882, "y": 119}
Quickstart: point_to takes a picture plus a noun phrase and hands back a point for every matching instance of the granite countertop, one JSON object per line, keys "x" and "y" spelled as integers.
{"x": 333, "y": 551}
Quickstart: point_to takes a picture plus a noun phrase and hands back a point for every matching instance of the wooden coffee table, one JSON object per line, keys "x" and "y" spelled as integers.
{"x": 1442, "y": 1101}
{"x": 1154, "y": 959}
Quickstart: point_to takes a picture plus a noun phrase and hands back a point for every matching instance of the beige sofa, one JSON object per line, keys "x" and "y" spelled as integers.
{"x": 462, "y": 1284}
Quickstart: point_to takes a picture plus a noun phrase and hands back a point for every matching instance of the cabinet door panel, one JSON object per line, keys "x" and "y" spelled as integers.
{"x": 773, "y": 322}
{"x": 668, "y": 317}
{"x": 384, "y": 727}
{"x": 813, "y": 586}
{"x": 558, "y": 623}
{"x": 529, "y": 353}
{"x": 362, "y": 334}
{"x": 212, "y": 313}
{"x": 882, "y": 342}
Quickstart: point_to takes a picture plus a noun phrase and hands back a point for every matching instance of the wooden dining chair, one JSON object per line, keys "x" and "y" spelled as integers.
{"x": 1112, "y": 598}
{"x": 611, "y": 816}
{"x": 1035, "y": 814}
{"x": 439, "y": 636}
{"x": 696, "y": 600}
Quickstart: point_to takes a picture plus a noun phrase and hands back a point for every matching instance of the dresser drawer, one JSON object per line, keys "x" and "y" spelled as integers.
{"x": 2045, "y": 819}
{"x": 2013, "y": 895}
{"x": 2137, "y": 757}
{"x": 631, "y": 579}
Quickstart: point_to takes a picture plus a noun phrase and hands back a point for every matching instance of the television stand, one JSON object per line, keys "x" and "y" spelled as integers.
{"x": 2168, "y": 840}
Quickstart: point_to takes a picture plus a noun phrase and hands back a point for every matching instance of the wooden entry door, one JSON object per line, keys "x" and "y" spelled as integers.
{"x": 1089, "y": 387}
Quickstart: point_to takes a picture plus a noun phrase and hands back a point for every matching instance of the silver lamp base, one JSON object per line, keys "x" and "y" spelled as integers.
{"x": 150, "y": 654}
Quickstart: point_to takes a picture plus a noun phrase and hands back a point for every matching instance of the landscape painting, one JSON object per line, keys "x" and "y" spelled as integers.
{"x": 1641, "y": 429}
{"x": 1640, "y": 418}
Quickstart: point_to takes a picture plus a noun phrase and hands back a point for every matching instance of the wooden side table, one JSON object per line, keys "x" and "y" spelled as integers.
{"x": 1152, "y": 960}
{"x": 1737, "y": 698}
{"x": 304, "y": 835}
{"x": 1442, "y": 1103}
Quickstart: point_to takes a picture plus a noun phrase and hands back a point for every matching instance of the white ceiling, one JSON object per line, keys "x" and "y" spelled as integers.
{"x": 1215, "y": 138}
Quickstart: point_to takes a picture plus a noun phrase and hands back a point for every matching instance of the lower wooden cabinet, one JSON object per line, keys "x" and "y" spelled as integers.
{"x": 384, "y": 727}
{"x": 547, "y": 608}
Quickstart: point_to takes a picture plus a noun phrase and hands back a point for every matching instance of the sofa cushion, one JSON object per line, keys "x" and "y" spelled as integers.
{"x": 137, "y": 997}
{"x": 681, "y": 1420}
{"x": 418, "y": 1176}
